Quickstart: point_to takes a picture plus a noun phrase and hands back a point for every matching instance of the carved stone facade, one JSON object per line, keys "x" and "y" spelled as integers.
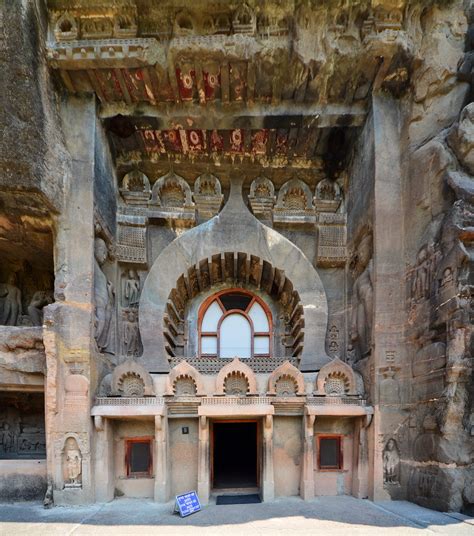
{"x": 248, "y": 212}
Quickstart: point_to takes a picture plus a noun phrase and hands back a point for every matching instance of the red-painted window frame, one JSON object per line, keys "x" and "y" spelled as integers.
{"x": 129, "y": 441}
{"x": 216, "y": 298}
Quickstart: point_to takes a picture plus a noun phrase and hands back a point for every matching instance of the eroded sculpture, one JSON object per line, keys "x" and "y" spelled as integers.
{"x": 104, "y": 298}
{"x": 10, "y": 302}
{"x": 73, "y": 463}
{"x": 391, "y": 463}
{"x": 362, "y": 299}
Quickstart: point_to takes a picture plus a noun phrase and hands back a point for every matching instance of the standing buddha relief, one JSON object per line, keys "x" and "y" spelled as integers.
{"x": 130, "y": 335}
{"x": 362, "y": 299}
{"x": 104, "y": 299}
{"x": 73, "y": 464}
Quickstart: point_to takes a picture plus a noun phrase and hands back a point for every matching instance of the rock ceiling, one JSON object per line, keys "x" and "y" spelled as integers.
{"x": 230, "y": 78}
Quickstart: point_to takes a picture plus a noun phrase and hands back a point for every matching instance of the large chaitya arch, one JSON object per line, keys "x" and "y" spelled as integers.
{"x": 235, "y": 229}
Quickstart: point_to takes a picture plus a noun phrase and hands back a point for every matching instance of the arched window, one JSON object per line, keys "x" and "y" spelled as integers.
{"x": 234, "y": 323}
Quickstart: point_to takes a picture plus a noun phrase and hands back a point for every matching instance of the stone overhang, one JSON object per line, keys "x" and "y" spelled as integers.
{"x": 22, "y": 358}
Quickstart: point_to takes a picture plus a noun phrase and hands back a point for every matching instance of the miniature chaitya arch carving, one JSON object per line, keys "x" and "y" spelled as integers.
{"x": 131, "y": 379}
{"x": 337, "y": 379}
{"x": 236, "y": 379}
{"x": 294, "y": 196}
{"x": 184, "y": 380}
{"x": 286, "y": 380}
{"x": 172, "y": 192}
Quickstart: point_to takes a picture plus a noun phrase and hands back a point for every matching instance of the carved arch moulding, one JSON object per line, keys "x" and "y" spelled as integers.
{"x": 172, "y": 192}
{"x": 336, "y": 373}
{"x": 237, "y": 369}
{"x": 131, "y": 379}
{"x": 286, "y": 371}
{"x": 234, "y": 230}
{"x": 184, "y": 370}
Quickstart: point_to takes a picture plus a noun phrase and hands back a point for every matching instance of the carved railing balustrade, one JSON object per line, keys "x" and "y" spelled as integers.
{"x": 235, "y": 400}
{"x": 129, "y": 401}
{"x": 335, "y": 401}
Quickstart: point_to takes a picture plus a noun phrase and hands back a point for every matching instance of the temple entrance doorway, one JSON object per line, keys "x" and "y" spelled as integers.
{"x": 235, "y": 461}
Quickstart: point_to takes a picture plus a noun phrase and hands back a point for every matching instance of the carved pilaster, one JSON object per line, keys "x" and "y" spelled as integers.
{"x": 204, "y": 484}
{"x": 360, "y": 476}
{"x": 268, "y": 491}
{"x": 307, "y": 469}
{"x": 162, "y": 480}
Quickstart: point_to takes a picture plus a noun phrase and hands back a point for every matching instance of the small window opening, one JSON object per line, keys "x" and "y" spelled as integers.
{"x": 138, "y": 459}
{"x": 330, "y": 453}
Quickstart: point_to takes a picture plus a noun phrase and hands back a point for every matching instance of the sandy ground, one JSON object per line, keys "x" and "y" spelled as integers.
{"x": 326, "y": 515}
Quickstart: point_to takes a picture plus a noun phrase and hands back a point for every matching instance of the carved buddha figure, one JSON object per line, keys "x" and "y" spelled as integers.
{"x": 132, "y": 289}
{"x": 362, "y": 300}
{"x": 73, "y": 460}
{"x": 104, "y": 297}
{"x": 391, "y": 460}
{"x": 10, "y": 302}
{"x": 131, "y": 334}
{"x": 6, "y": 438}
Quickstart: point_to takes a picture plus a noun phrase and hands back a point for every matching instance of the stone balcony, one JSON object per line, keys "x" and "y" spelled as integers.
{"x": 225, "y": 406}
{"x": 119, "y": 407}
{"x": 337, "y": 406}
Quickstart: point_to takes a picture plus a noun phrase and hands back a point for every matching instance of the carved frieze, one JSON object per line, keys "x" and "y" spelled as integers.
{"x": 332, "y": 240}
{"x": 22, "y": 426}
{"x": 84, "y": 24}
{"x": 131, "y": 244}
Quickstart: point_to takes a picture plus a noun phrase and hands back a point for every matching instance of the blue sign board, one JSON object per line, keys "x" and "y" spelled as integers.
{"x": 187, "y": 504}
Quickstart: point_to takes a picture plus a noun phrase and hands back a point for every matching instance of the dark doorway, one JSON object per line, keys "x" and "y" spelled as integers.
{"x": 235, "y": 455}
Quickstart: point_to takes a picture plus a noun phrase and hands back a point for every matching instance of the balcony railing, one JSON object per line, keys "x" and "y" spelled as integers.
{"x": 335, "y": 401}
{"x": 240, "y": 401}
{"x": 129, "y": 401}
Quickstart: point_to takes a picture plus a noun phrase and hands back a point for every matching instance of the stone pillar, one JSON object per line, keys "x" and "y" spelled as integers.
{"x": 68, "y": 336}
{"x": 360, "y": 462}
{"x": 388, "y": 280}
{"x": 204, "y": 475}
{"x": 104, "y": 460}
{"x": 162, "y": 479}
{"x": 268, "y": 487}
{"x": 307, "y": 467}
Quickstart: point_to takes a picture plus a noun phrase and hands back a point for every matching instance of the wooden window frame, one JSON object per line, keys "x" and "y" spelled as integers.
{"x": 340, "y": 438}
{"x": 129, "y": 441}
{"x": 216, "y": 298}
